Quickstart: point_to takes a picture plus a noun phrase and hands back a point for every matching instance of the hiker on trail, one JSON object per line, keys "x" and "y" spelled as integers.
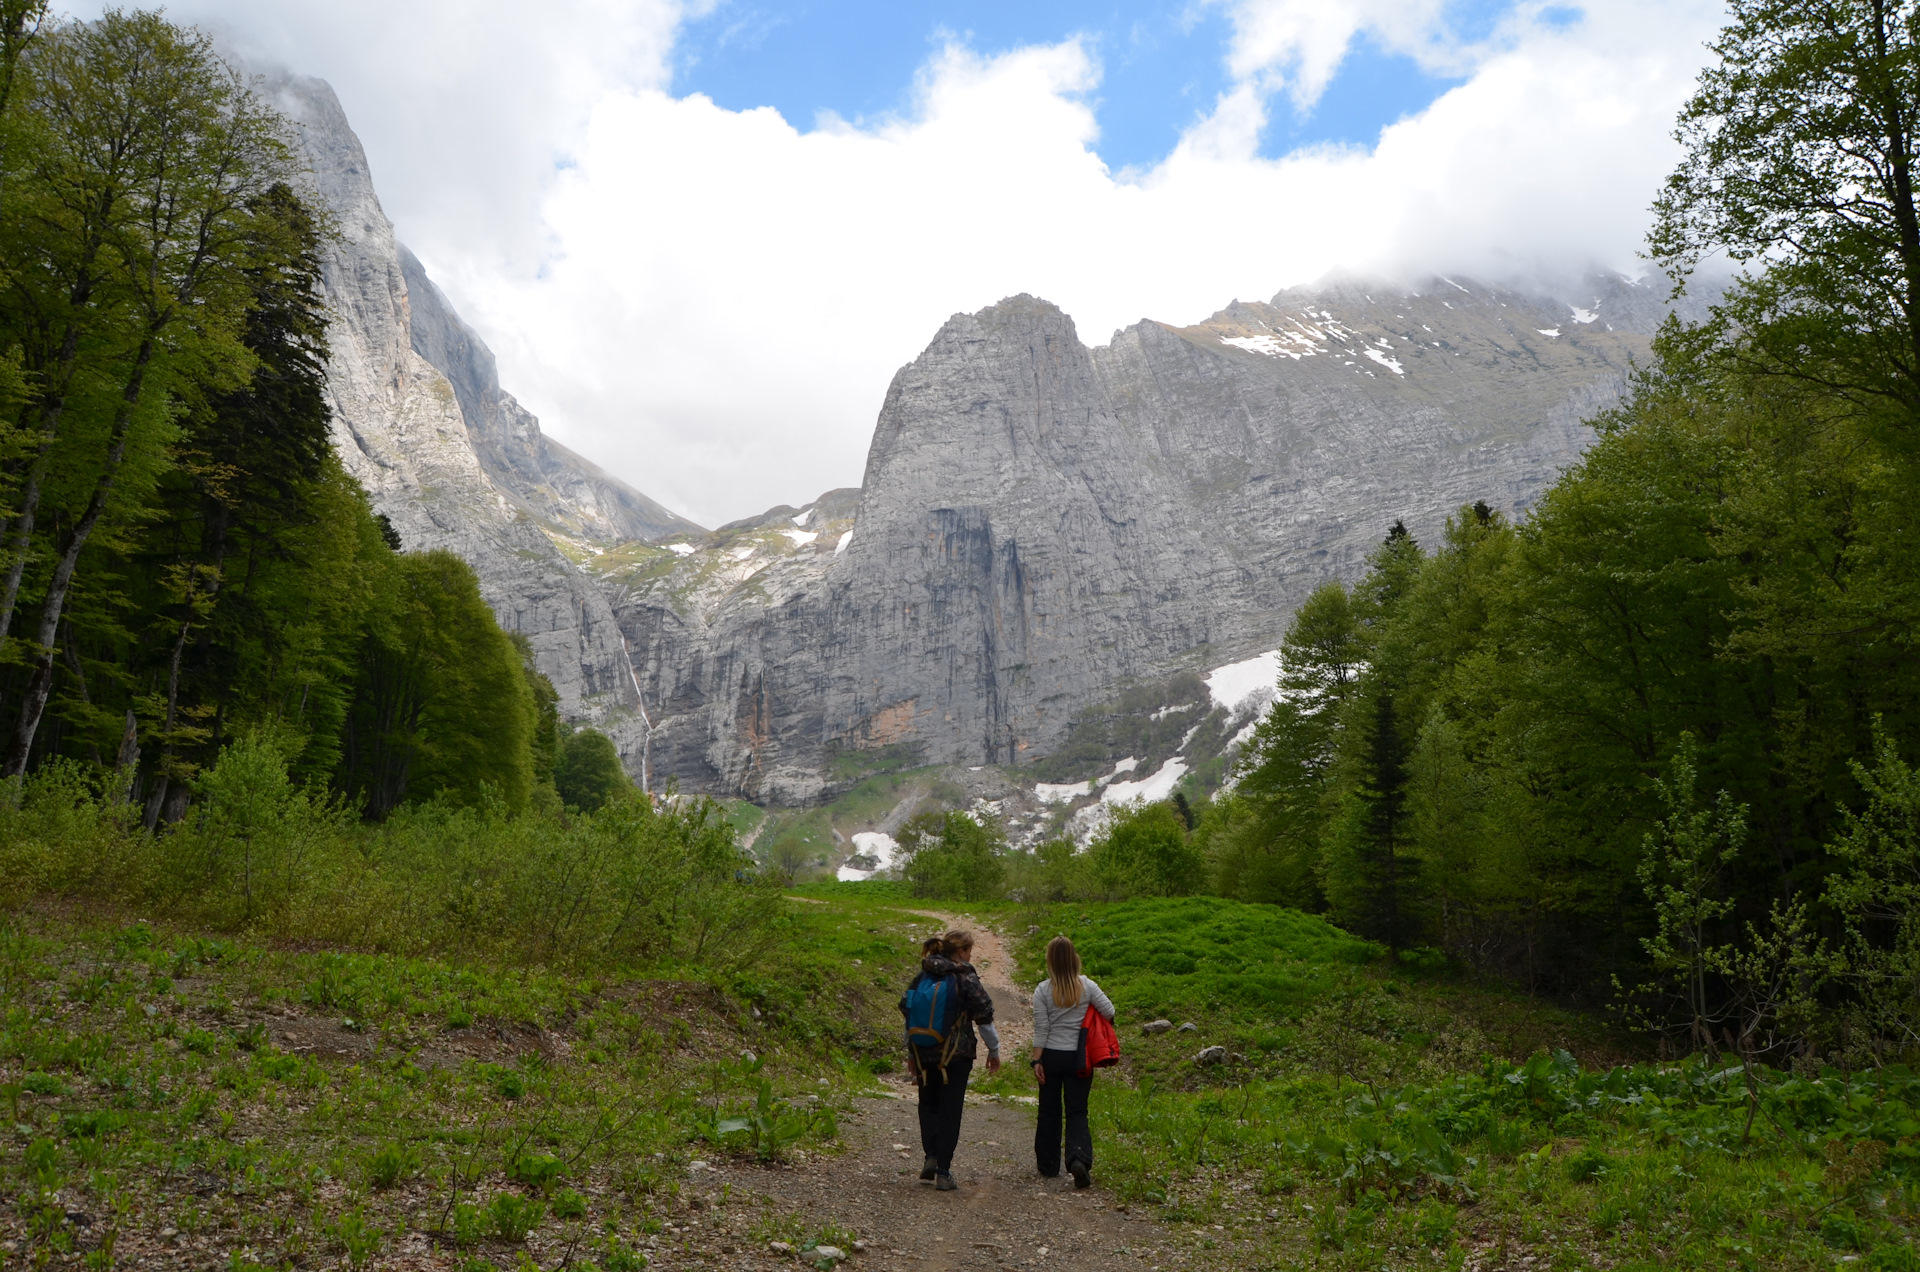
{"x": 1059, "y": 1061}
{"x": 942, "y": 1006}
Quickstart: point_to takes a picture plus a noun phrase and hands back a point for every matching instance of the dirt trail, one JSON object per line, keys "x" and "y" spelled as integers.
{"x": 1004, "y": 1215}
{"x": 1012, "y": 1005}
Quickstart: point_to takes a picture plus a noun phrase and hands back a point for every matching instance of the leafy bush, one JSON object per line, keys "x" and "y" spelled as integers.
{"x": 625, "y": 886}
{"x": 1145, "y": 852}
{"x": 587, "y": 772}
{"x": 534, "y": 1170}
{"x": 950, "y": 855}
{"x": 391, "y": 1164}
{"x": 512, "y": 1217}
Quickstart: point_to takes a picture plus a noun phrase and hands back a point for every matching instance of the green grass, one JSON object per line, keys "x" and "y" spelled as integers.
{"x": 1203, "y": 952}
{"x": 274, "y": 1107}
{"x": 1372, "y": 1115}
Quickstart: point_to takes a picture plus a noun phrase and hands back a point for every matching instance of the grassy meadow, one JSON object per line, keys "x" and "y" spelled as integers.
{"x": 449, "y": 1033}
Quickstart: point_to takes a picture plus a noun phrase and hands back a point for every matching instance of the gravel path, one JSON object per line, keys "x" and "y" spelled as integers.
{"x": 1004, "y": 1215}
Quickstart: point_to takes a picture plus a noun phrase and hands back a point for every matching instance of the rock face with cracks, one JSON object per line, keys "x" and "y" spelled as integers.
{"x": 1042, "y": 523}
{"x": 452, "y": 462}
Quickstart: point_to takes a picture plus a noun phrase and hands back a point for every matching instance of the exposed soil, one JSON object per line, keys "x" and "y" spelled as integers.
{"x": 1004, "y": 1214}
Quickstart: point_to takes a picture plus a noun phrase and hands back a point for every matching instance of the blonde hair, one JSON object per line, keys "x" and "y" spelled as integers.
{"x": 958, "y": 941}
{"x": 1063, "y": 972}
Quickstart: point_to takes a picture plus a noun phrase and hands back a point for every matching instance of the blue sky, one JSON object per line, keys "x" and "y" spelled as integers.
{"x": 1164, "y": 64}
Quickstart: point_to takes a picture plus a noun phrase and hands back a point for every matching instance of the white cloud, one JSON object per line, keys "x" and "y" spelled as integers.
{"x": 733, "y": 295}
{"x": 711, "y": 303}
{"x": 466, "y": 107}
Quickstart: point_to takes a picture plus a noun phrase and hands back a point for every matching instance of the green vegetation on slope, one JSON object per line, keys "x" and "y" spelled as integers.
{"x": 1366, "y": 1111}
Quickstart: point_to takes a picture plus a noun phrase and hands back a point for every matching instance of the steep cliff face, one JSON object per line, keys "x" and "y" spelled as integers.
{"x": 400, "y": 426}
{"x": 1042, "y": 523}
{"x": 543, "y": 479}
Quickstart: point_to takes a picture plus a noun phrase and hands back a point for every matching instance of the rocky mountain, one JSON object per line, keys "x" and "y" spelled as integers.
{"x": 569, "y": 495}
{"x": 452, "y": 461}
{"x": 1049, "y": 542}
{"x": 1043, "y": 524}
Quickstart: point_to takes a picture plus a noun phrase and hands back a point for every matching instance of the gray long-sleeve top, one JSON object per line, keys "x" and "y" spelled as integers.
{"x": 1058, "y": 1028}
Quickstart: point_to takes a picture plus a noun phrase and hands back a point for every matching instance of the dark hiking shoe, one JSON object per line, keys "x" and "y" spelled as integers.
{"x": 929, "y": 1168}
{"x": 1082, "y": 1174}
{"x": 944, "y": 1183}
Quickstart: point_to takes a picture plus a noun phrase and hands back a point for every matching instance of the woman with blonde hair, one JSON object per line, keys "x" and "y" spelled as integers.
{"x": 1059, "y": 1005}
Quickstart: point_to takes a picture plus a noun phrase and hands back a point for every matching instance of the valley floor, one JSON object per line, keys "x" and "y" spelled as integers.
{"x": 182, "y": 1102}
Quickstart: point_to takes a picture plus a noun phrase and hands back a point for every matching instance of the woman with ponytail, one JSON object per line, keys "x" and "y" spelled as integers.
{"x": 1060, "y": 1003}
{"x": 941, "y": 1070}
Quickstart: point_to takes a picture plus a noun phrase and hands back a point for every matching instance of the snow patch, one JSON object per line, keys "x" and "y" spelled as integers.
{"x": 1449, "y": 282}
{"x": 873, "y": 844}
{"x": 801, "y": 537}
{"x": 841, "y": 546}
{"x": 1124, "y": 766}
{"x": 805, "y": 516}
{"x": 683, "y": 549}
{"x": 1389, "y": 363}
{"x": 1551, "y": 333}
{"x": 1157, "y": 787}
{"x": 1234, "y": 683}
{"x": 1176, "y": 709}
{"x": 1582, "y": 315}
{"x": 741, "y": 554}
{"x": 1061, "y": 792}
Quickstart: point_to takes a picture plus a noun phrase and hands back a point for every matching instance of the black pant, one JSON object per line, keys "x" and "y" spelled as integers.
{"x": 941, "y": 1104}
{"x": 1064, "y": 1085}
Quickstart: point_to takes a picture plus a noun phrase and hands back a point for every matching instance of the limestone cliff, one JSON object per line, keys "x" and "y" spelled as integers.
{"x": 400, "y": 426}
{"x": 1041, "y": 523}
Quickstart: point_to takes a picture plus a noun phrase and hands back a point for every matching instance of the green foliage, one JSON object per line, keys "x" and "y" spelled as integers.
{"x": 443, "y": 705}
{"x": 1144, "y": 851}
{"x": 950, "y": 855}
{"x": 1878, "y": 894}
{"x": 622, "y": 887}
{"x": 186, "y": 559}
{"x": 767, "y": 1127}
{"x": 138, "y": 171}
{"x": 1165, "y": 954}
{"x": 510, "y": 1217}
{"x": 1798, "y": 155}
{"x": 392, "y": 1163}
{"x": 588, "y": 773}
{"x": 536, "y": 1171}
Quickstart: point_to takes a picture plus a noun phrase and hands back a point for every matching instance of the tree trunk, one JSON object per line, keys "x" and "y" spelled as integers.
{"x": 127, "y": 763}
{"x": 173, "y": 695}
{"x": 41, "y": 685}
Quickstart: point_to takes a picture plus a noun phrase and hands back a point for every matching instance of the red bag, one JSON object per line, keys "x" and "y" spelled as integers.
{"x": 1099, "y": 1045}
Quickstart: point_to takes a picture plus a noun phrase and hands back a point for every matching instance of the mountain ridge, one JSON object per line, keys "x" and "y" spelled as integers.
{"x": 1040, "y": 525}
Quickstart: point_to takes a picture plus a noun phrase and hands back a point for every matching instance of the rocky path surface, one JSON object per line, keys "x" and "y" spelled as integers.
{"x": 1004, "y": 1215}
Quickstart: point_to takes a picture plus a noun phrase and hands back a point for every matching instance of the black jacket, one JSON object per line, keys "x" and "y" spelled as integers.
{"x": 975, "y": 1001}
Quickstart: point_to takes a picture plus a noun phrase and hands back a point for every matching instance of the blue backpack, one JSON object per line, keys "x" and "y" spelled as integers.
{"x": 932, "y": 1009}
